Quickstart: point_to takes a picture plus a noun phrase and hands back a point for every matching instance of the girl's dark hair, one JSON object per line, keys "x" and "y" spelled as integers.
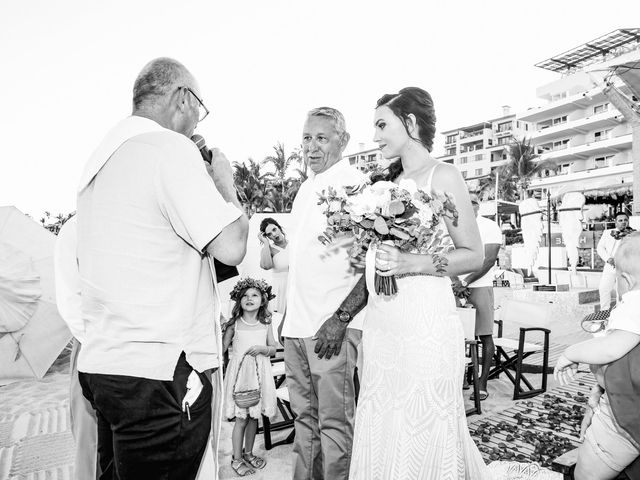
{"x": 411, "y": 100}
{"x": 264, "y": 315}
{"x": 269, "y": 221}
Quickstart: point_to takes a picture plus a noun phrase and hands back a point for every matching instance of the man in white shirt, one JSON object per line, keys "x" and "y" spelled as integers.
{"x": 480, "y": 284}
{"x": 149, "y": 214}
{"x": 606, "y": 249}
{"x": 82, "y": 415}
{"x": 320, "y": 351}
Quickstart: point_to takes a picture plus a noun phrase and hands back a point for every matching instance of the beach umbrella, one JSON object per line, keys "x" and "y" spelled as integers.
{"x": 32, "y": 333}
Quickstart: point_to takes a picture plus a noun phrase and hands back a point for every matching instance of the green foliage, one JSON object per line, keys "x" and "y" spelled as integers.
{"x": 54, "y": 224}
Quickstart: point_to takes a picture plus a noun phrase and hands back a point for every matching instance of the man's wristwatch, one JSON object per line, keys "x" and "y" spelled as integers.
{"x": 463, "y": 283}
{"x": 344, "y": 317}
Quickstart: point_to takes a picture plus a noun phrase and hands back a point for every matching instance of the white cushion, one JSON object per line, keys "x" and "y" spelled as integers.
{"x": 283, "y": 393}
{"x": 277, "y": 369}
{"x": 510, "y": 344}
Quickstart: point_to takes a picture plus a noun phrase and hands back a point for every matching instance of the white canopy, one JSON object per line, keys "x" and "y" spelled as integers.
{"x": 32, "y": 333}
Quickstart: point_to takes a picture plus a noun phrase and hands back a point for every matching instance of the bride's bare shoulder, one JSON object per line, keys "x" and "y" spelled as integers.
{"x": 447, "y": 177}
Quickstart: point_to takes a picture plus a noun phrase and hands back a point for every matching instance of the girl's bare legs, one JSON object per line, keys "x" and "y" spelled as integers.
{"x": 250, "y": 434}
{"x": 238, "y": 436}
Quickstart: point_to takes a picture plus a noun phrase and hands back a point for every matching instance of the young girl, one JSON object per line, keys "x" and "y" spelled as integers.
{"x": 249, "y": 333}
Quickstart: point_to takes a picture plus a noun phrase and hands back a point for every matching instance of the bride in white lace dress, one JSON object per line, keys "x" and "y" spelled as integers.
{"x": 410, "y": 421}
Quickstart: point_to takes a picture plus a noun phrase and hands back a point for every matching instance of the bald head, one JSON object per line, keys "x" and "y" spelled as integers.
{"x": 627, "y": 256}
{"x": 166, "y": 92}
{"x": 158, "y": 80}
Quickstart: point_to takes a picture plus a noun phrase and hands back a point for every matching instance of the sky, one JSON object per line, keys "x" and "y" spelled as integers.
{"x": 68, "y": 68}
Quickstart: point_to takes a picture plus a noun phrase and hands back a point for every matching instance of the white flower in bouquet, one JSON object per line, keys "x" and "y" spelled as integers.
{"x": 409, "y": 185}
{"x": 335, "y": 206}
{"x": 362, "y": 204}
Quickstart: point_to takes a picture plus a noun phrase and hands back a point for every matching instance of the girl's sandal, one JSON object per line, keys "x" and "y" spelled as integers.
{"x": 241, "y": 468}
{"x": 254, "y": 460}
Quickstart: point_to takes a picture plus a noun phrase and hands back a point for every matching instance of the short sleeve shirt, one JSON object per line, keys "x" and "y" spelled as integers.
{"x": 626, "y": 316}
{"x": 147, "y": 289}
{"x": 490, "y": 233}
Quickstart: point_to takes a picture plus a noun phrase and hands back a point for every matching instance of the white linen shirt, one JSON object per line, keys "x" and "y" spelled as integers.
{"x": 607, "y": 245}
{"x": 65, "y": 262}
{"x": 320, "y": 277}
{"x": 490, "y": 233}
{"x": 626, "y": 315}
{"x": 147, "y": 289}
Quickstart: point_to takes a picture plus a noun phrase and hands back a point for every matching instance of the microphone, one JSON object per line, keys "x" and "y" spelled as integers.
{"x": 223, "y": 272}
{"x": 202, "y": 146}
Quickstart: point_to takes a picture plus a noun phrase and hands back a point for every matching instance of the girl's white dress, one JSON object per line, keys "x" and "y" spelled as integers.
{"x": 410, "y": 420}
{"x": 244, "y": 338}
{"x": 279, "y": 277}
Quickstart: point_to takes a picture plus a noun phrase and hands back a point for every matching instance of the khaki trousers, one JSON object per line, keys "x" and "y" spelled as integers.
{"x": 84, "y": 425}
{"x": 322, "y": 396}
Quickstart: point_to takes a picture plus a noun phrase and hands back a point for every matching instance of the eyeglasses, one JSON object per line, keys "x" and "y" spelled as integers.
{"x": 202, "y": 110}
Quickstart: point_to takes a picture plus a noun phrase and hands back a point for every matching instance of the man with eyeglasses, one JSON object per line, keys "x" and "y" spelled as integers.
{"x": 150, "y": 218}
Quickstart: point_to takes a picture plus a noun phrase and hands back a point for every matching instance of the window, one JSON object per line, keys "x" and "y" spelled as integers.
{"x": 478, "y": 172}
{"x": 503, "y": 140}
{"x": 600, "y": 108}
{"x": 559, "y": 120}
{"x": 451, "y": 151}
{"x": 371, "y": 158}
{"x": 601, "y": 162}
{"x": 602, "y": 135}
{"x": 505, "y": 126}
{"x": 504, "y": 156}
{"x": 558, "y": 96}
{"x": 451, "y": 138}
{"x": 463, "y": 160}
{"x": 560, "y": 144}
{"x": 464, "y": 174}
{"x": 478, "y": 158}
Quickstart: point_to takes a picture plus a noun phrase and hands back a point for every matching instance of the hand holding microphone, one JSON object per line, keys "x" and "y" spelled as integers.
{"x": 217, "y": 164}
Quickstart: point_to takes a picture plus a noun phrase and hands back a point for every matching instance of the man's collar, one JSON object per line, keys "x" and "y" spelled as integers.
{"x": 334, "y": 169}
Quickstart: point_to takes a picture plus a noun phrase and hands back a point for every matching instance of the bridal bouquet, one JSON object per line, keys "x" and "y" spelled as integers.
{"x": 399, "y": 215}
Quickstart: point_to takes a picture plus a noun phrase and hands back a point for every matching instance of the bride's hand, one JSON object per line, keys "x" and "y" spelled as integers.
{"x": 391, "y": 261}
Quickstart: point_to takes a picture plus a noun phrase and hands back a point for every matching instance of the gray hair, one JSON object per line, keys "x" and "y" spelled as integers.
{"x": 158, "y": 78}
{"x": 332, "y": 113}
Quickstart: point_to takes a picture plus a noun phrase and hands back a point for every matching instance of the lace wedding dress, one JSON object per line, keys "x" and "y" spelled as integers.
{"x": 410, "y": 420}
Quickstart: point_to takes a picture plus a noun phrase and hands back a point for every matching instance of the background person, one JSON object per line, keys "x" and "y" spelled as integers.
{"x": 84, "y": 424}
{"x": 480, "y": 284}
{"x": 606, "y": 249}
{"x": 149, "y": 215}
{"x": 274, "y": 255}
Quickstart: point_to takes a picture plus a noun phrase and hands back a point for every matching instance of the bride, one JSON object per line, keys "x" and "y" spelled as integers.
{"x": 410, "y": 421}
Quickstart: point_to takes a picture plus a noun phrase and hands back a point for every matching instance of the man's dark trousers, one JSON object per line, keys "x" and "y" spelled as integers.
{"x": 142, "y": 431}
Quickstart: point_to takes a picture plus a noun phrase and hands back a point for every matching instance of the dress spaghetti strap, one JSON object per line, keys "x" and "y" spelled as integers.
{"x": 433, "y": 169}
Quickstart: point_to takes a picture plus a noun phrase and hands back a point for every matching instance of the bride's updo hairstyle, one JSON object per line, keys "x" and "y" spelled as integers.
{"x": 411, "y": 100}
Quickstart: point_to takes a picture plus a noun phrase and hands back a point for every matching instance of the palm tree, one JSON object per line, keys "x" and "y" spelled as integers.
{"x": 523, "y": 164}
{"x": 281, "y": 162}
{"x": 507, "y": 188}
{"x": 250, "y": 185}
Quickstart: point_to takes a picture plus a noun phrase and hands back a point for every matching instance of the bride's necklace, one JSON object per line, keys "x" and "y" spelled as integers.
{"x": 249, "y": 324}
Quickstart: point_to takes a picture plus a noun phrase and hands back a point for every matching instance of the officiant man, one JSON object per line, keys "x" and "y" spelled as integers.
{"x": 149, "y": 215}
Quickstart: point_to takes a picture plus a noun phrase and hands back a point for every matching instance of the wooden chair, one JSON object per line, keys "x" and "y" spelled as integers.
{"x": 510, "y": 353}
{"x": 468, "y": 319}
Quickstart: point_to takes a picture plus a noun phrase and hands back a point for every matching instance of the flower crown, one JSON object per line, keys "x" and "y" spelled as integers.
{"x": 249, "y": 282}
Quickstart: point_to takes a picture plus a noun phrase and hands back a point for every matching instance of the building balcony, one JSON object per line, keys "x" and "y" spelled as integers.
{"x": 598, "y": 121}
{"x": 566, "y": 105}
{"x": 586, "y": 179}
{"x": 608, "y": 146}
